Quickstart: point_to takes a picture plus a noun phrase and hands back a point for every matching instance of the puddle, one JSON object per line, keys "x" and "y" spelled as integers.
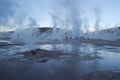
{"x": 76, "y": 61}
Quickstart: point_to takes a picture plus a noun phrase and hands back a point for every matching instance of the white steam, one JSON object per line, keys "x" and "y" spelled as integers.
{"x": 70, "y": 10}
{"x": 98, "y": 18}
{"x": 27, "y": 36}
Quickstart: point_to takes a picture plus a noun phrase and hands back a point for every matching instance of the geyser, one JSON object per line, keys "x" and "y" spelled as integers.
{"x": 70, "y": 10}
{"x": 27, "y": 36}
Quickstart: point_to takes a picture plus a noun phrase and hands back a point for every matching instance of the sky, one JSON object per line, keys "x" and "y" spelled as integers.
{"x": 24, "y": 12}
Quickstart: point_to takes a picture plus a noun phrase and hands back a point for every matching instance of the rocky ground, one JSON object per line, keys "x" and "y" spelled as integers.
{"x": 98, "y": 42}
{"x": 46, "y": 56}
{"x": 110, "y": 75}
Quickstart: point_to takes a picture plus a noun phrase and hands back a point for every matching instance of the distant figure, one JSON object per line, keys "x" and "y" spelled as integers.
{"x": 33, "y": 53}
{"x": 66, "y": 37}
{"x": 82, "y": 37}
{"x": 70, "y": 38}
{"x": 88, "y": 37}
{"x": 77, "y": 38}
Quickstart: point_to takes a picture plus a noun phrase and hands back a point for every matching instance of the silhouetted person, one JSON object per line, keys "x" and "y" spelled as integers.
{"x": 79, "y": 38}
{"x": 66, "y": 37}
{"x": 33, "y": 52}
{"x": 70, "y": 38}
{"x": 82, "y": 37}
{"x": 88, "y": 38}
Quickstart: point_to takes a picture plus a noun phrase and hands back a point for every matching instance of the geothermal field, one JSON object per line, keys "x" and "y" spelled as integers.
{"x": 49, "y": 55}
{"x": 59, "y": 40}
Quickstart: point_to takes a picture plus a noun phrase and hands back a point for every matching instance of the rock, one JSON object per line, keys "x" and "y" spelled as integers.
{"x": 116, "y": 76}
{"x": 43, "y": 61}
{"x": 41, "y": 53}
{"x": 102, "y": 76}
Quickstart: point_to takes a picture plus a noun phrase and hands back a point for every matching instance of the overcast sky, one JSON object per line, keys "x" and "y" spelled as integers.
{"x": 39, "y": 10}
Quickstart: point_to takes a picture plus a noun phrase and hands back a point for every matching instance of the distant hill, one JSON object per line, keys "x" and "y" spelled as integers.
{"x": 48, "y": 34}
{"x": 107, "y": 34}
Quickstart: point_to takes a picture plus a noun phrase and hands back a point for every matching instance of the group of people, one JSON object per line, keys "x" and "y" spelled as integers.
{"x": 77, "y": 38}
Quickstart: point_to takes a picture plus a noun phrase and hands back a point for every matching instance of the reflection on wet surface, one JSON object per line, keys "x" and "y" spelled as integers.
{"x": 82, "y": 59}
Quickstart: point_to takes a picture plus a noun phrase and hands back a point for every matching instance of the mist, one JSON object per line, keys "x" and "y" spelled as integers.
{"x": 64, "y": 14}
{"x": 97, "y": 11}
{"x": 59, "y": 40}
{"x": 69, "y": 11}
{"x": 7, "y": 10}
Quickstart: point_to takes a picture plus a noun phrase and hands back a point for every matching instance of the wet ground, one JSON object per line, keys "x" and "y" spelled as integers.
{"x": 78, "y": 61}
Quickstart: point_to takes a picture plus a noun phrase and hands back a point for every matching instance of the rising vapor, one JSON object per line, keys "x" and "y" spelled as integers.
{"x": 7, "y": 10}
{"x": 11, "y": 14}
{"x": 71, "y": 11}
{"x": 97, "y": 11}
